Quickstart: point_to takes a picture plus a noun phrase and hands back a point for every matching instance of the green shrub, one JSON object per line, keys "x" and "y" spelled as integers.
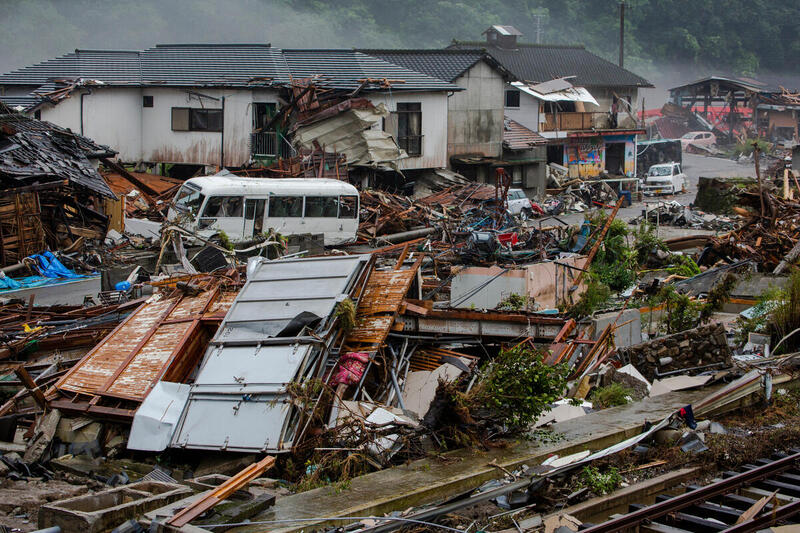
{"x": 594, "y": 298}
{"x": 601, "y": 483}
{"x": 610, "y": 396}
{"x": 516, "y": 387}
{"x": 645, "y": 241}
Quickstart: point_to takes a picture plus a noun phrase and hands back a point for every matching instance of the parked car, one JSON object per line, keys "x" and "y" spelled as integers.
{"x": 665, "y": 178}
{"x": 698, "y": 138}
{"x": 520, "y": 204}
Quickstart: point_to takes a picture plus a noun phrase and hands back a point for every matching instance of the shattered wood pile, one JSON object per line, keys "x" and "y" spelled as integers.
{"x": 146, "y": 195}
{"x": 40, "y": 342}
{"x": 21, "y": 230}
{"x": 384, "y": 213}
{"x": 162, "y": 340}
{"x": 766, "y": 240}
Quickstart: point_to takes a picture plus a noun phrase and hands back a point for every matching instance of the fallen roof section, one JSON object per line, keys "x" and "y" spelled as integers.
{"x": 33, "y": 151}
{"x": 279, "y": 330}
{"x": 162, "y": 339}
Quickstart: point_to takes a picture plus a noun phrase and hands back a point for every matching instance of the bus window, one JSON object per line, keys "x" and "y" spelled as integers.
{"x": 347, "y": 206}
{"x": 321, "y": 206}
{"x": 254, "y": 216}
{"x": 189, "y": 198}
{"x": 224, "y": 206}
{"x": 285, "y": 206}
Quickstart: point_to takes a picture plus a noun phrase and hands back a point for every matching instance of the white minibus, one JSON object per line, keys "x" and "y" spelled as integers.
{"x": 246, "y": 207}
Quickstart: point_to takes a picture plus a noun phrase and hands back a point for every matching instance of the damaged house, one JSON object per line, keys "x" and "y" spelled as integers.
{"x": 213, "y": 105}
{"x": 582, "y": 104}
{"x": 53, "y": 196}
{"x": 480, "y": 137}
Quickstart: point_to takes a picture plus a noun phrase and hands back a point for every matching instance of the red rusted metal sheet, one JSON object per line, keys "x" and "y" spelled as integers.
{"x": 158, "y": 336}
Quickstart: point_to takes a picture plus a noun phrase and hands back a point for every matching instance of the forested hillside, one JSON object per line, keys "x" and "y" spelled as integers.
{"x": 744, "y": 37}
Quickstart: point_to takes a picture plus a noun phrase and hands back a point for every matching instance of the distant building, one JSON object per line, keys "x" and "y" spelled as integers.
{"x": 588, "y": 117}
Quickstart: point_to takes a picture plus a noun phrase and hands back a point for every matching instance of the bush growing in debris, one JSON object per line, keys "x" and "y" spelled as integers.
{"x": 615, "y": 263}
{"x": 513, "y": 390}
{"x": 777, "y": 314}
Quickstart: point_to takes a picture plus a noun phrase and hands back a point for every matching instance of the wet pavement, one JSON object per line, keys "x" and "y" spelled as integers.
{"x": 434, "y": 480}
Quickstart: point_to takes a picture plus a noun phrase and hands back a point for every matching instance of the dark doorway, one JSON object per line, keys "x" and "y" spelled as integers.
{"x": 555, "y": 153}
{"x": 615, "y": 158}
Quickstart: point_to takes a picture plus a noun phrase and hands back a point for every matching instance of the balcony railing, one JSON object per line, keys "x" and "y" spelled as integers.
{"x": 576, "y": 121}
{"x": 264, "y": 144}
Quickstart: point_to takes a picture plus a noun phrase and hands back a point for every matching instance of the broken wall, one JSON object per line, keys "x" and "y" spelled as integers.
{"x": 698, "y": 347}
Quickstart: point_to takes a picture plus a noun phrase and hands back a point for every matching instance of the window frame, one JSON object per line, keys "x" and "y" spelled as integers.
{"x": 518, "y": 94}
{"x": 190, "y": 111}
{"x": 407, "y": 141}
{"x": 275, "y": 197}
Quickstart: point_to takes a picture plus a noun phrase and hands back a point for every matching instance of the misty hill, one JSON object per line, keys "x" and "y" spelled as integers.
{"x": 686, "y": 36}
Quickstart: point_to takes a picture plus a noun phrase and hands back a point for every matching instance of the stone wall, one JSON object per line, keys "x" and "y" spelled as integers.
{"x": 696, "y": 347}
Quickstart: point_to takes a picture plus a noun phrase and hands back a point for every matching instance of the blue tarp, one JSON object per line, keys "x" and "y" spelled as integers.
{"x": 52, "y": 272}
{"x": 50, "y": 267}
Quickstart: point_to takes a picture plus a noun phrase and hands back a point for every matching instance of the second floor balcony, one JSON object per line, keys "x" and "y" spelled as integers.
{"x": 578, "y": 120}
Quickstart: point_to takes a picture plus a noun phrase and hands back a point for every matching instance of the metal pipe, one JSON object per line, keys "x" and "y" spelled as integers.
{"x": 406, "y": 235}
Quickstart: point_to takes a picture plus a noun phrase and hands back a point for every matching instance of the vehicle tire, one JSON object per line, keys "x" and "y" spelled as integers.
{"x": 526, "y": 213}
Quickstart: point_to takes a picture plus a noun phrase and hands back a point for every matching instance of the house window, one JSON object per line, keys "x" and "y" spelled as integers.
{"x": 147, "y": 101}
{"x": 189, "y": 119}
{"x": 409, "y": 127}
{"x": 512, "y": 98}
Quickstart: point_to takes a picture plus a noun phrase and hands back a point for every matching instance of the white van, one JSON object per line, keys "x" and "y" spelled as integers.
{"x": 246, "y": 207}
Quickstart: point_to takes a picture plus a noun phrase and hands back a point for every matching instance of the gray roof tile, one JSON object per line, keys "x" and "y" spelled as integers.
{"x": 446, "y": 65}
{"x": 220, "y": 65}
{"x": 539, "y": 63}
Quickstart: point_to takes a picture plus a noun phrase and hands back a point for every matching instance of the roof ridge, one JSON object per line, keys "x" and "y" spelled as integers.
{"x": 110, "y": 51}
{"x": 486, "y": 45}
{"x": 206, "y": 45}
{"x": 421, "y": 50}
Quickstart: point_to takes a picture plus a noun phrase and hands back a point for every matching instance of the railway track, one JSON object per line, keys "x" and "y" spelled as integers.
{"x": 759, "y": 496}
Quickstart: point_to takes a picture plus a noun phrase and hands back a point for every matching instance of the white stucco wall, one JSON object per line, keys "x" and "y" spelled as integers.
{"x": 475, "y": 115}
{"x": 434, "y": 125}
{"x": 527, "y": 113}
{"x": 117, "y": 118}
{"x": 161, "y": 144}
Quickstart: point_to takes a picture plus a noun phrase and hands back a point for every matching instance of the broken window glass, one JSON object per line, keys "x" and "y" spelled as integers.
{"x": 224, "y": 206}
{"x": 347, "y": 206}
{"x": 322, "y": 206}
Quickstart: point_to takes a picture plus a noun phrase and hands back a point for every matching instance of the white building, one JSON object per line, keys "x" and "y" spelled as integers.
{"x": 208, "y": 104}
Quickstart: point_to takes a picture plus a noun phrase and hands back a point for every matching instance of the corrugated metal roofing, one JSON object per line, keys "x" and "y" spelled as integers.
{"x": 220, "y": 65}
{"x": 446, "y": 65}
{"x": 539, "y": 63}
{"x": 518, "y": 137}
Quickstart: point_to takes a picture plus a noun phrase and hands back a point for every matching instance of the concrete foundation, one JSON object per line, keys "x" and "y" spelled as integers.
{"x": 108, "y": 509}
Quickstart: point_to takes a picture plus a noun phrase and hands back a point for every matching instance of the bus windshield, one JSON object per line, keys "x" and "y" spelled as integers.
{"x": 189, "y": 198}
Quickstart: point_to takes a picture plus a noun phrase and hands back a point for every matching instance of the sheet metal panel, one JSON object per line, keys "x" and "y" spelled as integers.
{"x": 242, "y": 388}
{"x": 277, "y": 291}
{"x": 161, "y": 330}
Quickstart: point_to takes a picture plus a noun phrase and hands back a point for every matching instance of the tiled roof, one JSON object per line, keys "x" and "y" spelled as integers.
{"x": 518, "y": 137}
{"x": 539, "y": 63}
{"x": 34, "y": 150}
{"x": 220, "y": 65}
{"x": 445, "y": 64}
{"x": 346, "y": 69}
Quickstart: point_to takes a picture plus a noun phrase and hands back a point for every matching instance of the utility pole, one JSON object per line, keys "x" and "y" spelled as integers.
{"x": 538, "y": 28}
{"x": 622, "y": 33}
